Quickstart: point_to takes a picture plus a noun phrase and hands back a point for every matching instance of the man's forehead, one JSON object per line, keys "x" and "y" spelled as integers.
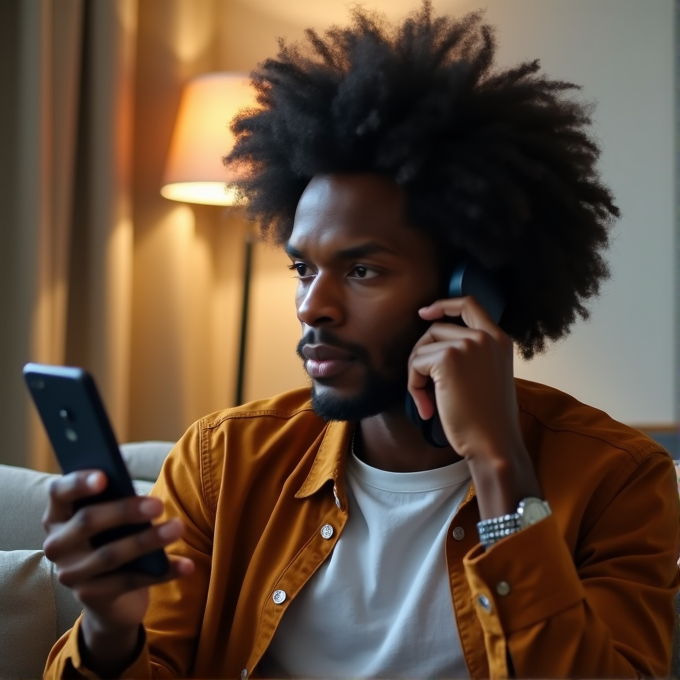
{"x": 352, "y": 204}
{"x": 351, "y": 194}
{"x": 353, "y": 252}
{"x": 342, "y": 217}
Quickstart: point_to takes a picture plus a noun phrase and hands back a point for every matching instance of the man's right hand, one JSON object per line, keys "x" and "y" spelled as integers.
{"x": 114, "y": 602}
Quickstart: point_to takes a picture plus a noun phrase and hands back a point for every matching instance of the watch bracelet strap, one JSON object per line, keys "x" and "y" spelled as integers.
{"x": 492, "y": 530}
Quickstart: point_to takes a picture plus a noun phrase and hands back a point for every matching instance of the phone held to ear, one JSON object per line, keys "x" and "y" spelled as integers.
{"x": 82, "y": 438}
{"x": 468, "y": 278}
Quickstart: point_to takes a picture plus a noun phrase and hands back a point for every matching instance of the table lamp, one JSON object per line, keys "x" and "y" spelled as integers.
{"x": 194, "y": 172}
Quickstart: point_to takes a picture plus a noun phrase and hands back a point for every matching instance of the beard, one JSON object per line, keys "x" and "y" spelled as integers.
{"x": 381, "y": 390}
{"x": 378, "y": 394}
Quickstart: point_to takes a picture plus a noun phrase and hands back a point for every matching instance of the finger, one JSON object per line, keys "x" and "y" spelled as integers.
{"x": 462, "y": 335}
{"x": 106, "y": 589}
{"x": 467, "y": 308}
{"x": 439, "y": 352}
{"x": 427, "y": 365}
{"x": 93, "y": 519}
{"x": 419, "y": 386}
{"x": 424, "y": 401}
{"x": 446, "y": 332}
{"x": 64, "y": 491}
{"x": 109, "y": 557}
{"x": 426, "y": 373}
{"x": 473, "y": 353}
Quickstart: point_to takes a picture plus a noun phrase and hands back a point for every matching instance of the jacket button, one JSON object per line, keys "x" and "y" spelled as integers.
{"x": 279, "y": 596}
{"x": 327, "y": 531}
{"x": 503, "y": 588}
{"x": 459, "y": 533}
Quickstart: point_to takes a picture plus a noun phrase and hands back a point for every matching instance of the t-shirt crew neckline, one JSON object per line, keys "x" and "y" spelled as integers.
{"x": 423, "y": 481}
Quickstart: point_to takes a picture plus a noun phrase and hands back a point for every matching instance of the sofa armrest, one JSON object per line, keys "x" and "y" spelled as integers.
{"x": 35, "y": 610}
{"x": 23, "y": 493}
{"x": 23, "y": 499}
{"x": 145, "y": 459}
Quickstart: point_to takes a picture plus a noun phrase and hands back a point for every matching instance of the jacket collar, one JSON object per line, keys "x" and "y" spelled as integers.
{"x": 331, "y": 456}
{"x": 329, "y": 461}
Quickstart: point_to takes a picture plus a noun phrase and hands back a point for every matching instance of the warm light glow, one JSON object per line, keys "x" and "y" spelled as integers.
{"x": 210, "y": 193}
{"x": 194, "y": 172}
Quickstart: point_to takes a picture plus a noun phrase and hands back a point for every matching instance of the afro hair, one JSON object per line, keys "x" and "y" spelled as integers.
{"x": 497, "y": 163}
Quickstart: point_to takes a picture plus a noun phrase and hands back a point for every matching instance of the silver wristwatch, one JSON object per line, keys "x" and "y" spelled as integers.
{"x": 529, "y": 511}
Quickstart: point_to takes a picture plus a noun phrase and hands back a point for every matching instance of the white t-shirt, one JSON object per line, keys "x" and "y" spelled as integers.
{"x": 380, "y": 606}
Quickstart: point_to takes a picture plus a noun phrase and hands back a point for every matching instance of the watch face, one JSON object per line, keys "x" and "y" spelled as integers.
{"x": 532, "y": 510}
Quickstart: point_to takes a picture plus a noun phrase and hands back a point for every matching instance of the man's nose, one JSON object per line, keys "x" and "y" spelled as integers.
{"x": 321, "y": 303}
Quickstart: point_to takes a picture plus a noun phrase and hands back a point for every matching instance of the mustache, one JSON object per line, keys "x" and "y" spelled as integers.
{"x": 321, "y": 336}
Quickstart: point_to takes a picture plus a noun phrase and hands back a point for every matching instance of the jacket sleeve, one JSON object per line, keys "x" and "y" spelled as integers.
{"x": 605, "y": 609}
{"x": 176, "y": 608}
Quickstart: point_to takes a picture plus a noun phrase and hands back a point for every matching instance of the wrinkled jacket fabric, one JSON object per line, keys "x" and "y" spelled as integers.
{"x": 590, "y": 590}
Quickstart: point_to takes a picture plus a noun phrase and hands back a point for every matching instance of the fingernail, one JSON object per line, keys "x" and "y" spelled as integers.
{"x": 93, "y": 480}
{"x": 149, "y": 507}
{"x": 169, "y": 530}
{"x": 185, "y": 567}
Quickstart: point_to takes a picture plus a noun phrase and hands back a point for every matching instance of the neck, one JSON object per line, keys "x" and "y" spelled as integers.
{"x": 389, "y": 441}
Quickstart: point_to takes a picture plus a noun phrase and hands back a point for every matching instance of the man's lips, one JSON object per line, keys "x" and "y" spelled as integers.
{"x": 325, "y": 361}
{"x": 325, "y": 353}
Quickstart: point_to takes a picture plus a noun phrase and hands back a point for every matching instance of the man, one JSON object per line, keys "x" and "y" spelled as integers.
{"x": 328, "y": 537}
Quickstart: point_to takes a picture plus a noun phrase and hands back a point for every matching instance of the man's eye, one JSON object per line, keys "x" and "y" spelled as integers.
{"x": 301, "y": 270}
{"x": 361, "y": 272}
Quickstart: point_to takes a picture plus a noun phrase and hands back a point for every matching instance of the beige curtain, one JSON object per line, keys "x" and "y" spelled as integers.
{"x": 66, "y": 238}
{"x": 96, "y": 268}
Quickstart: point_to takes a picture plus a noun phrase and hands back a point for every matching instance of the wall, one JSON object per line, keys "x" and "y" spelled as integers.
{"x": 621, "y": 52}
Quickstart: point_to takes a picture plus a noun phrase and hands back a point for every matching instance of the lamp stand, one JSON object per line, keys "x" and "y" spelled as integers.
{"x": 245, "y": 304}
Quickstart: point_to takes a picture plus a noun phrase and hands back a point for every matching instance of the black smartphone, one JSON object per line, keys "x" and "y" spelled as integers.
{"x": 81, "y": 435}
{"x": 468, "y": 278}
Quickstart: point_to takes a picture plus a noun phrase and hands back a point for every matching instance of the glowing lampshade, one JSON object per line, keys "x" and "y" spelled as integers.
{"x": 194, "y": 172}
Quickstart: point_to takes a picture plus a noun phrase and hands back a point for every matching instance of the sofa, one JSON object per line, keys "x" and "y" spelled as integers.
{"x": 35, "y": 609}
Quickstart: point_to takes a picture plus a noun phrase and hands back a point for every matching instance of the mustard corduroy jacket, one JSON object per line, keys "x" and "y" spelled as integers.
{"x": 591, "y": 588}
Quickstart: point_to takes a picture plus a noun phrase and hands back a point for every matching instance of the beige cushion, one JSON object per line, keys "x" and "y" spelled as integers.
{"x": 145, "y": 459}
{"x": 23, "y": 499}
{"x": 35, "y": 610}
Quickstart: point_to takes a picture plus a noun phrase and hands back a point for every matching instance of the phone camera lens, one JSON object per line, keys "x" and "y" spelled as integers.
{"x": 65, "y": 415}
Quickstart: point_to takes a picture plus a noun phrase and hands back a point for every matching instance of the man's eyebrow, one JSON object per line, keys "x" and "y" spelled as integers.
{"x": 364, "y": 250}
{"x": 353, "y": 253}
{"x": 291, "y": 251}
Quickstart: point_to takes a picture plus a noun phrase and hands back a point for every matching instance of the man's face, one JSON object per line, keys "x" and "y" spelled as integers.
{"x": 363, "y": 274}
